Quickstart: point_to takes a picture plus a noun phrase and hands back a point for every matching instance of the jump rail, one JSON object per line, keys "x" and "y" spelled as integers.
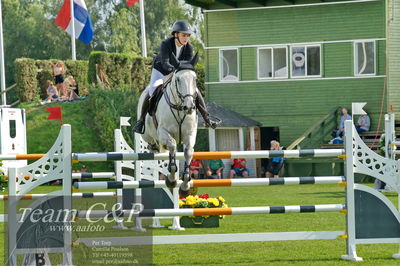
{"x": 74, "y": 195}
{"x": 118, "y": 156}
{"x": 212, "y": 211}
{"x": 215, "y": 182}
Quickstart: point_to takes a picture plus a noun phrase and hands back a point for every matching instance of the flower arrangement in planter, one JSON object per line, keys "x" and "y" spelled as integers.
{"x": 201, "y": 201}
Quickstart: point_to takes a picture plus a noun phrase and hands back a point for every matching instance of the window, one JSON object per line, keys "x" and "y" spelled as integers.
{"x": 364, "y": 58}
{"x": 229, "y": 66}
{"x": 13, "y": 129}
{"x": 272, "y": 62}
{"x": 306, "y": 61}
{"x": 227, "y": 139}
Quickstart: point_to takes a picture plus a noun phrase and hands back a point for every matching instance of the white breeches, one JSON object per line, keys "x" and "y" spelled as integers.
{"x": 155, "y": 81}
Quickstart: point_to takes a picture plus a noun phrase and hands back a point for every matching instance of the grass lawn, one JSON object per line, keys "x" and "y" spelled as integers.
{"x": 311, "y": 252}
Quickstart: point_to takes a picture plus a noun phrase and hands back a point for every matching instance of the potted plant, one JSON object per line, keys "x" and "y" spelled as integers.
{"x": 201, "y": 201}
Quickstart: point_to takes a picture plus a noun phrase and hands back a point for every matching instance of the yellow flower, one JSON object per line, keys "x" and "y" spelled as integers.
{"x": 215, "y": 202}
{"x": 181, "y": 203}
{"x": 221, "y": 199}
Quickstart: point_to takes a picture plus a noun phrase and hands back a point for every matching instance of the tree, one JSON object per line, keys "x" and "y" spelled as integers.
{"x": 29, "y": 29}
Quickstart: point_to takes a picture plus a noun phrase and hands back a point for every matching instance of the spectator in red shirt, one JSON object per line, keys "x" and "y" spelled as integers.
{"x": 239, "y": 168}
{"x": 195, "y": 166}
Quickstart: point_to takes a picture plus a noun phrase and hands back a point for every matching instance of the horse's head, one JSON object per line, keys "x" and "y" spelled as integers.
{"x": 184, "y": 83}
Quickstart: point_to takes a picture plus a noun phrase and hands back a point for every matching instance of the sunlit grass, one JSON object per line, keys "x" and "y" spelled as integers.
{"x": 311, "y": 252}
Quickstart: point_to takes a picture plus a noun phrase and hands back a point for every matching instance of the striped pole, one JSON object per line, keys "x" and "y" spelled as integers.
{"x": 75, "y": 195}
{"x": 212, "y": 211}
{"x": 118, "y": 156}
{"x": 93, "y": 175}
{"x": 214, "y": 182}
{"x": 82, "y": 175}
{"x": 22, "y": 156}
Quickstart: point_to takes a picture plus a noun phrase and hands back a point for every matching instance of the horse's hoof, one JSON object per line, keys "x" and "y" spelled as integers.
{"x": 183, "y": 193}
{"x": 170, "y": 184}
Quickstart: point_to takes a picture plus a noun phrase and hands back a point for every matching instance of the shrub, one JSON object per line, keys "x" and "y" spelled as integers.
{"x": 107, "y": 105}
{"x": 25, "y": 77}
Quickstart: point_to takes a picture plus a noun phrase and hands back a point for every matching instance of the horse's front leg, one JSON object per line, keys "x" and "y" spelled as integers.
{"x": 169, "y": 142}
{"x": 184, "y": 189}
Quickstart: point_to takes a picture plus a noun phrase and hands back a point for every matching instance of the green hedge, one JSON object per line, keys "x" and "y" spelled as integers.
{"x": 79, "y": 70}
{"x": 120, "y": 69}
{"x": 25, "y": 77}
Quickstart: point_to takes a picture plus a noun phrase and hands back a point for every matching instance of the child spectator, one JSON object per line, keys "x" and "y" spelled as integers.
{"x": 239, "y": 168}
{"x": 195, "y": 166}
{"x": 275, "y": 164}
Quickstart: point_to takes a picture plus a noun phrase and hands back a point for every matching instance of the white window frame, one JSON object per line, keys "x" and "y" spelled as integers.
{"x": 221, "y": 64}
{"x": 355, "y": 69}
{"x": 272, "y": 62}
{"x": 305, "y": 63}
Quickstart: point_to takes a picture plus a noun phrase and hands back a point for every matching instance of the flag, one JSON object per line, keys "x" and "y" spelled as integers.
{"x": 124, "y": 121}
{"x": 83, "y": 25}
{"x": 357, "y": 108}
{"x": 55, "y": 113}
{"x": 129, "y": 3}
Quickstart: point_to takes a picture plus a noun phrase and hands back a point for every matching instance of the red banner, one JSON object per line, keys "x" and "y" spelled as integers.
{"x": 55, "y": 113}
{"x": 131, "y": 2}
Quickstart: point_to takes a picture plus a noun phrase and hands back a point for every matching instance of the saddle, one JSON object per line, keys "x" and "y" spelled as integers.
{"x": 158, "y": 93}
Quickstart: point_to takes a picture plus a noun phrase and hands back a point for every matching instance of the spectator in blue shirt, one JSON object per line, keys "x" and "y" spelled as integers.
{"x": 363, "y": 123}
{"x": 345, "y": 116}
{"x": 275, "y": 164}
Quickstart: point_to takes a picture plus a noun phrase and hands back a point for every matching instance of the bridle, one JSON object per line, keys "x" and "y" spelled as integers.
{"x": 178, "y": 107}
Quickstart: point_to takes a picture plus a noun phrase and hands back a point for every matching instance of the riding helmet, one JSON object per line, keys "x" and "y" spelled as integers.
{"x": 181, "y": 26}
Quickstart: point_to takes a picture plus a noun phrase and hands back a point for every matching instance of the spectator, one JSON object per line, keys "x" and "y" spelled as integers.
{"x": 215, "y": 168}
{"x": 340, "y": 130}
{"x": 51, "y": 93}
{"x": 69, "y": 87}
{"x": 239, "y": 168}
{"x": 195, "y": 166}
{"x": 58, "y": 73}
{"x": 363, "y": 123}
{"x": 275, "y": 164}
{"x": 72, "y": 88}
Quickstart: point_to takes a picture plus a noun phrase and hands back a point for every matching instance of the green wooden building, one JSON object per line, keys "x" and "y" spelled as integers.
{"x": 288, "y": 63}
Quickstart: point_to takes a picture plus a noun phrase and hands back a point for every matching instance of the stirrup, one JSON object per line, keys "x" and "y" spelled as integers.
{"x": 139, "y": 127}
{"x": 214, "y": 121}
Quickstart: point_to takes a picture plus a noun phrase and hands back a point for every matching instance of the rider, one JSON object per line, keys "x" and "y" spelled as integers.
{"x": 178, "y": 46}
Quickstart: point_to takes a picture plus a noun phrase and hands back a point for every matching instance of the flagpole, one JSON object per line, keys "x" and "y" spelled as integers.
{"x": 72, "y": 31}
{"x": 143, "y": 30}
{"x": 3, "y": 75}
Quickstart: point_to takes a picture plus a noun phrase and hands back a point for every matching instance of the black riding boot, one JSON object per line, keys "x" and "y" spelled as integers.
{"x": 200, "y": 104}
{"x": 139, "y": 127}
